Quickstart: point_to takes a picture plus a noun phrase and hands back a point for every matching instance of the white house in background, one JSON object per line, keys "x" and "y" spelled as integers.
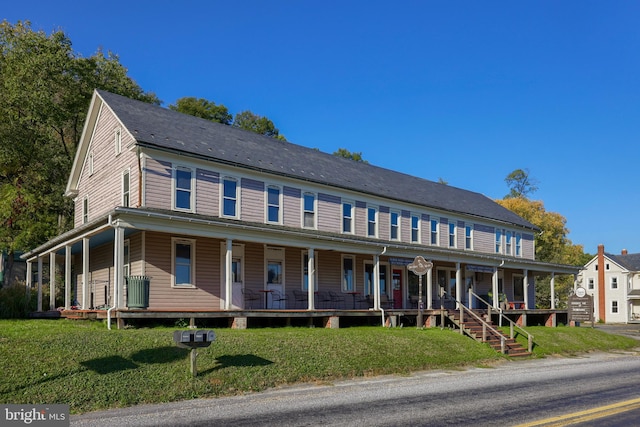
{"x": 614, "y": 282}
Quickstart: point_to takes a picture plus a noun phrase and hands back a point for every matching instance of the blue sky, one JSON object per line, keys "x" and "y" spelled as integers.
{"x": 466, "y": 91}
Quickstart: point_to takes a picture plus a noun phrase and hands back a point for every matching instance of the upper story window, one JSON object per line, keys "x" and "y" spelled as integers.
{"x": 518, "y": 244}
{"x": 372, "y": 222}
{"x": 452, "y": 235}
{"x": 468, "y": 236}
{"x": 498, "y": 241}
{"x": 273, "y": 204}
{"x": 415, "y": 229}
{"x": 347, "y": 217}
{"x": 394, "y": 226}
{"x": 614, "y": 283}
{"x": 309, "y": 210}
{"x": 590, "y": 283}
{"x": 183, "y": 188}
{"x": 508, "y": 243}
{"x": 126, "y": 182}
{"x": 90, "y": 163}
{"x": 230, "y": 197}
{"x": 85, "y": 210}
{"x": 434, "y": 231}
{"x": 117, "y": 140}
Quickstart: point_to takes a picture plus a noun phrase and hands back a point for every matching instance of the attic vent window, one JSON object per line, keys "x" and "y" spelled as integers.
{"x": 117, "y": 140}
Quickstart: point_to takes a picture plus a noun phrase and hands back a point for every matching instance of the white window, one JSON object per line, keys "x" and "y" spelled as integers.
{"x": 90, "y": 163}
{"x": 273, "y": 204}
{"x": 508, "y": 243}
{"x": 434, "y": 232}
{"x": 126, "y": 182}
{"x": 394, "y": 225}
{"x": 369, "y": 278}
{"x": 347, "y": 217}
{"x": 452, "y": 235}
{"x": 518, "y": 244}
{"x": 127, "y": 259}
{"x": 614, "y": 283}
{"x": 372, "y": 222}
{"x": 183, "y": 188}
{"x": 614, "y": 307}
{"x": 85, "y": 210}
{"x": 590, "y": 283}
{"x": 498, "y": 241}
{"x": 117, "y": 140}
{"x": 415, "y": 229}
{"x": 309, "y": 210}
{"x": 183, "y": 265}
{"x": 468, "y": 236}
{"x": 230, "y": 197}
{"x": 348, "y": 273}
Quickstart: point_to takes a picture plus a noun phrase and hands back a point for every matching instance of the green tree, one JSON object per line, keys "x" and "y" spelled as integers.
{"x": 356, "y": 155}
{"x": 45, "y": 89}
{"x": 204, "y": 109}
{"x": 252, "y": 122}
{"x": 520, "y": 183}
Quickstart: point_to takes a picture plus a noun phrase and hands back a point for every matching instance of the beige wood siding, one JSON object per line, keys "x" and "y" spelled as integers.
{"x": 254, "y": 266}
{"x": 425, "y": 229}
{"x": 207, "y": 192}
{"x": 104, "y": 186}
{"x": 444, "y": 232}
{"x": 528, "y": 246}
{"x": 329, "y": 271}
{"x": 405, "y": 226}
{"x": 157, "y": 185}
{"x": 293, "y": 269}
{"x": 360, "y": 218}
{"x": 329, "y": 217}
{"x": 484, "y": 238}
{"x": 292, "y": 205}
{"x": 252, "y": 199}
{"x": 460, "y": 234}
{"x": 384, "y": 223}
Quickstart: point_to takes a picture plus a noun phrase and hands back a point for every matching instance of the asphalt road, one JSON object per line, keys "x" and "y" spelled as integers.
{"x": 509, "y": 394}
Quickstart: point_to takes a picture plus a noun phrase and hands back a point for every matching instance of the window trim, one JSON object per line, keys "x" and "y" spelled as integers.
{"x": 85, "y": 209}
{"x": 397, "y": 226}
{"x": 415, "y": 230}
{"x": 314, "y": 212}
{"x": 498, "y": 240}
{"x": 373, "y": 223}
{"x": 468, "y": 238}
{"x": 434, "y": 234}
{"x": 90, "y": 161}
{"x": 613, "y": 280}
{"x": 615, "y": 307}
{"x": 192, "y": 266}
{"x": 508, "y": 242}
{"x": 175, "y": 188}
{"x": 354, "y": 284}
{"x": 453, "y": 234}
{"x": 223, "y": 197}
{"x": 518, "y": 244}
{"x": 349, "y": 218}
{"x": 126, "y": 194}
{"x": 117, "y": 140}
{"x": 268, "y": 205}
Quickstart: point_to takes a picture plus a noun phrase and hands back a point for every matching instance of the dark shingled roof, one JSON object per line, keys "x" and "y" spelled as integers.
{"x": 162, "y": 128}
{"x": 630, "y": 261}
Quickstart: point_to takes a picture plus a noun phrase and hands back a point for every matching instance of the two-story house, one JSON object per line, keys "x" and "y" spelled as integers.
{"x": 220, "y": 219}
{"x": 614, "y": 283}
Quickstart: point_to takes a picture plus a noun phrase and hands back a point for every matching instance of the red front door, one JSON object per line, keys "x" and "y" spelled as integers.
{"x": 397, "y": 288}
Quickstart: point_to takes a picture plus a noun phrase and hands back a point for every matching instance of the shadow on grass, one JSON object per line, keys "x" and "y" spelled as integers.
{"x": 238, "y": 360}
{"x": 165, "y": 354}
{"x": 107, "y": 365}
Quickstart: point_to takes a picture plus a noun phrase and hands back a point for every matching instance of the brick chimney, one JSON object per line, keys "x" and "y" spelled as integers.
{"x": 602, "y": 307}
{"x": 624, "y": 252}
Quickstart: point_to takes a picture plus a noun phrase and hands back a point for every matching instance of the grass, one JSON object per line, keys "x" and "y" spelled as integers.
{"x": 90, "y": 368}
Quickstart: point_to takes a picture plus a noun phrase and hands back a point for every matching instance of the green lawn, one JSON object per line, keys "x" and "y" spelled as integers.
{"x": 90, "y": 368}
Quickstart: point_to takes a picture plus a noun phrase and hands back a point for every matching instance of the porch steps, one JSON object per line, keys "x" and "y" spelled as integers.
{"x": 472, "y": 327}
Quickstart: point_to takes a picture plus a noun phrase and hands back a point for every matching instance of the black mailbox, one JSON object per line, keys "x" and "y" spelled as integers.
{"x": 193, "y": 339}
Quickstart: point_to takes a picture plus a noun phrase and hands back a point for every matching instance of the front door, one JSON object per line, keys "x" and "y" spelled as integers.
{"x": 397, "y": 288}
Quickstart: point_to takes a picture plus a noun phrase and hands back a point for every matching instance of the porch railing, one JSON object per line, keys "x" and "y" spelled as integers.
{"x": 512, "y": 325}
{"x": 485, "y": 326}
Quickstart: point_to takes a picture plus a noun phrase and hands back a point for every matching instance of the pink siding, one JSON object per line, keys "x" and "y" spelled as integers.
{"x": 329, "y": 214}
{"x": 252, "y": 199}
{"x": 207, "y": 192}
{"x": 157, "y": 190}
{"x": 104, "y": 186}
{"x": 292, "y": 207}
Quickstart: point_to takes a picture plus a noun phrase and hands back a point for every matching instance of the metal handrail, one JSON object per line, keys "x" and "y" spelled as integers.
{"x": 512, "y": 324}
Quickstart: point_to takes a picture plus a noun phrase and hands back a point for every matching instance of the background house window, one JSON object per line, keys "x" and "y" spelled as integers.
{"x": 347, "y": 217}
{"x": 614, "y": 283}
{"x": 372, "y": 222}
{"x": 309, "y": 210}
{"x": 614, "y": 306}
{"x": 590, "y": 283}
{"x": 415, "y": 229}
{"x": 273, "y": 204}
{"x": 434, "y": 232}
{"x": 394, "y": 219}
{"x": 183, "y": 262}
{"x": 348, "y": 275}
{"x": 125, "y": 189}
{"x": 183, "y": 188}
{"x": 229, "y": 197}
{"x": 468, "y": 237}
{"x": 452, "y": 235}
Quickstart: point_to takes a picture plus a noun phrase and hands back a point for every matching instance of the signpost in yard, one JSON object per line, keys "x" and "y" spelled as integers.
{"x": 420, "y": 267}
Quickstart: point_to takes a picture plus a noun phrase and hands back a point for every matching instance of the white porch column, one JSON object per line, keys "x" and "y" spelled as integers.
{"x": 67, "y": 277}
{"x": 430, "y": 289}
{"x": 376, "y": 282}
{"x": 459, "y": 293}
{"x": 29, "y": 280}
{"x": 85, "y": 273}
{"x": 118, "y": 262}
{"x": 228, "y": 275}
{"x": 553, "y": 290}
{"x": 311, "y": 283}
{"x": 52, "y": 281}
{"x": 494, "y": 287}
{"x": 525, "y": 272}
{"x": 39, "y": 283}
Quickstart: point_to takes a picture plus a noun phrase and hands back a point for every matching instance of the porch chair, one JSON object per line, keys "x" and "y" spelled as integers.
{"x": 323, "y": 299}
{"x": 249, "y": 296}
{"x": 277, "y": 297}
{"x": 300, "y": 298}
{"x": 363, "y": 301}
{"x": 337, "y": 299}
{"x": 385, "y": 301}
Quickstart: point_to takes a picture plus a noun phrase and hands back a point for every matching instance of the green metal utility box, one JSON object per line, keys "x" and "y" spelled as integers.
{"x": 138, "y": 291}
